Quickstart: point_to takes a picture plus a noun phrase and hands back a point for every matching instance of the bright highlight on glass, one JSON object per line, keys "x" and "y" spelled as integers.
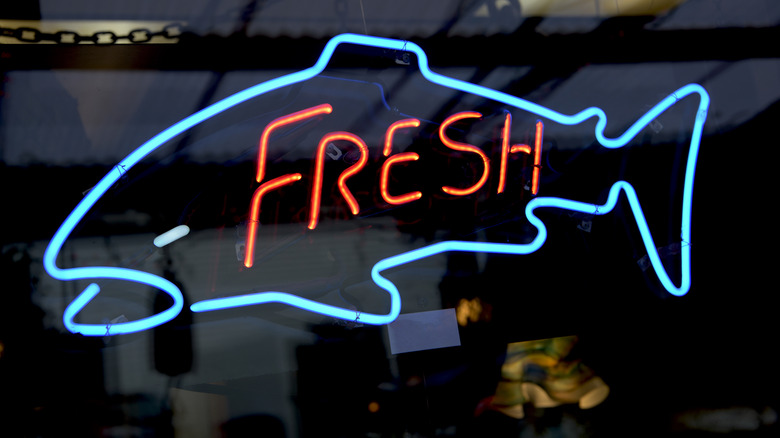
{"x": 99, "y": 273}
{"x": 171, "y": 236}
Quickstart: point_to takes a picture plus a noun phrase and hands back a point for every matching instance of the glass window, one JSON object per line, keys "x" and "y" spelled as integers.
{"x": 355, "y": 218}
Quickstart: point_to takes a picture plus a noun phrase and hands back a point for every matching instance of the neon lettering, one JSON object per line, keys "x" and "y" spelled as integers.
{"x": 405, "y": 123}
{"x": 316, "y": 194}
{"x": 408, "y": 156}
{"x": 524, "y": 148}
{"x": 112, "y": 273}
{"x": 401, "y": 199}
{"x": 322, "y": 151}
{"x": 463, "y": 147}
{"x": 504, "y": 152}
{"x": 262, "y": 148}
{"x": 537, "y": 158}
{"x": 254, "y": 219}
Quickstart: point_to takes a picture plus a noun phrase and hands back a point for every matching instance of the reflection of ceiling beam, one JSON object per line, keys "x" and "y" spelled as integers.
{"x": 594, "y": 8}
{"x": 619, "y": 40}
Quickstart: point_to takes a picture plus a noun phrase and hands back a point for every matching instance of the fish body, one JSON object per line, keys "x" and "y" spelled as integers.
{"x": 617, "y": 190}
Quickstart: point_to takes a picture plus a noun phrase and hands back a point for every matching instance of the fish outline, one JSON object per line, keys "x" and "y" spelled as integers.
{"x": 80, "y": 211}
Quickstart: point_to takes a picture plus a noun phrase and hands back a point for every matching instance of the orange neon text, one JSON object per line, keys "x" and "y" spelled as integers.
{"x": 299, "y": 116}
{"x": 316, "y": 193}
{"x": 391, "y": 160}
{"x": 401, "y": 199}
{"x": 463, "y": 147}
{"x": 536, "y": 151}
{"x": 254, "y": 218}
{"x": 405, "y": 123}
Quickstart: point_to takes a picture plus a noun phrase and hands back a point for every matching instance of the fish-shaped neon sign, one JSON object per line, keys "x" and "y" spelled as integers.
{"x": 618, "y": 188}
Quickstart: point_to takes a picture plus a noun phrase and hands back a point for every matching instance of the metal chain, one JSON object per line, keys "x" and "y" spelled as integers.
{"x": 30, "y": 35}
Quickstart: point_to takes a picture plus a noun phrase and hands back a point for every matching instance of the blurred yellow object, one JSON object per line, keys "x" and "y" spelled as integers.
{"x": 543, "y": 373}
{"x": 472, "y": 311}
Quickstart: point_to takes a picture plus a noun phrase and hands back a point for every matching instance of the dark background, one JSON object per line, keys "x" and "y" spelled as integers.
{"x": 663, "y": 357}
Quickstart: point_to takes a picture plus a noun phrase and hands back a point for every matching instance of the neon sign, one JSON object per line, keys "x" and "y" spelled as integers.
{"x": 316, "y": 191}
{"x": 135, "y": 276}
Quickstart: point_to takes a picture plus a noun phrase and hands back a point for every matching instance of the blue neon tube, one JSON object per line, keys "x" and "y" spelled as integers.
{"x": 67, "y": 227}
